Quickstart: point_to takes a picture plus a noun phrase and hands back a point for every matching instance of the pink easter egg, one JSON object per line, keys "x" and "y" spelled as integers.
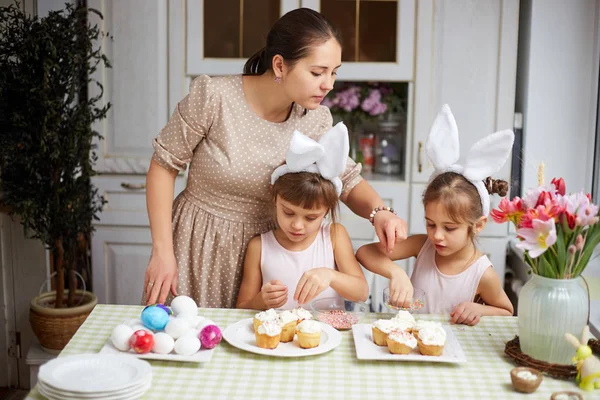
{"x": 210, "y": 336}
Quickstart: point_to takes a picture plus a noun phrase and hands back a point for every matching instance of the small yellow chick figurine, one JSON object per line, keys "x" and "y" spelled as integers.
{"x": 588, "y": 365}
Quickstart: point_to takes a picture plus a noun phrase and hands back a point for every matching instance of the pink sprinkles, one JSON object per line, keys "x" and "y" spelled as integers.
{"x": 338, "y": 319}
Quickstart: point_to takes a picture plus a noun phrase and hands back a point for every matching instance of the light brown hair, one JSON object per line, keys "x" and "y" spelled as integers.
{"x": 460, "y": 197}
{"x": 307, "y": 190}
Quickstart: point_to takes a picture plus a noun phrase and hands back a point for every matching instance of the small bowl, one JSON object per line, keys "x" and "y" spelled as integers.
{"x": 566, "y": 395}
{"x": 338, "y": 312}
{"x": 522, "y": 384}
{"x": 416, "y": 303}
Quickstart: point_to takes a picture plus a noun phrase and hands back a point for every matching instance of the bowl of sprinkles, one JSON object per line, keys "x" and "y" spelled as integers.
{"x": 338, "y": 312}
{"x": 414, "y": 304}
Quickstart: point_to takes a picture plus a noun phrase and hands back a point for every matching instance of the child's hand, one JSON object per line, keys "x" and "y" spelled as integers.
{"x": 274, "y": 294}
{"x": 401, "y": 289}
{"x": 312, "y": 283}
{"x": 467, "y": 313}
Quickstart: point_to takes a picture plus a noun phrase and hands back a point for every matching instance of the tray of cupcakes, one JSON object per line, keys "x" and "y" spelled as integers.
{"x": 177, "y": 333}
{"x": 288, "y": 333}
{"x": 402, "y": 338}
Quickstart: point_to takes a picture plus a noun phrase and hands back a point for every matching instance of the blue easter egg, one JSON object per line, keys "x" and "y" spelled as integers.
{"x": 155, "y": 318}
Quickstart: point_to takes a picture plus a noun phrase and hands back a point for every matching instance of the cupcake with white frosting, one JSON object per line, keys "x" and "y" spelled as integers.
{"x": 420, "y": 324}
{"x": 302, "y": 314}
{"x": 382, "y": 327}
{"x": 405, "y": 318}
{"x": 431, "y": 340}
{"x": 268, "y": 334}
{"x": 401, "y": 342}
{"x": 289, "y": 321}
{"x": 309, "y": 334}
{"x": 263, "y": 316}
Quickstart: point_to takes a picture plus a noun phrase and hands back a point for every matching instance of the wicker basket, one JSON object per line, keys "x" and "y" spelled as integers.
{"x": 54, "y": 327}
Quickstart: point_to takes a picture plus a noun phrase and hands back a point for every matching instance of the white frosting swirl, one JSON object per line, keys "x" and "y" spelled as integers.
{"x": 308, "y": 326}
{"x": 270, "y": 328}
{"x": 388, "y": 325}
{"x": 269, "y": 315}
{"x": 404, "y": 338}
{"x": 302, "y": 313}
{"x": 433, "y": 335}
{"x": 287, "y": 316}
{"x": 420, "y": 324}
{"x": 405, "y": 316}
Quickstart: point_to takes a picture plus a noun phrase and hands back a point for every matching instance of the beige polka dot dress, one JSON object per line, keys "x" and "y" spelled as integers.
{"x": 231, "y": 154}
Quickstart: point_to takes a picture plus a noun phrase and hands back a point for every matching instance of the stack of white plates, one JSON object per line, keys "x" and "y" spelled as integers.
{"x": 95, "y": 376}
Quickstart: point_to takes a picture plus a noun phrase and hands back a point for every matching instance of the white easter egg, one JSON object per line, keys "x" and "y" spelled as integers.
{"x": 163, "y": 343}
{"x": 199, "y": 322}
{"x": 191, "y": 319}
{"x": 176, "y": 327}
{"x": 187, "y": 345}
{"x": 120, "y": 337}
{"x": 138, "y": 327}
{"x": 184, "y": 305}
{"x": 134, "y": 322}
{"x": 204, "y": 323}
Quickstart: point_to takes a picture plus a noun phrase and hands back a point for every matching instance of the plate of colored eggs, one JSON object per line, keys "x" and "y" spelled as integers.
{"x": 177, "y": 333}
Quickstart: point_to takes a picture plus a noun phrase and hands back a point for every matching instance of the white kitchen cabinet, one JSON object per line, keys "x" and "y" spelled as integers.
{"x": 377, "y": 37}
{"x": 120, "y": 256}
{"x": 218, "y": 42}
{"x": 141, "y": 83}
{"x": 466, "y": 57}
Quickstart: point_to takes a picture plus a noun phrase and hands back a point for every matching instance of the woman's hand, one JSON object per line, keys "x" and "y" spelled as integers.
{"x": 389, "y": 229}
{"x": 401, "y": 289}
{"x": 467, "y": 313}
{"x": 274, "y": 294}
{"x": 161, "y": 276}
{"x": 312, "y": 283}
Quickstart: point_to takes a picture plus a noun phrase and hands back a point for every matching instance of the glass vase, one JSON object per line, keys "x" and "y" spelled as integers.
{"x": 547, "y": 309}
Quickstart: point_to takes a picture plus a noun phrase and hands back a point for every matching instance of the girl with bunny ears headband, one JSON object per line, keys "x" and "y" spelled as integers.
{"x": 457, "y": 279}
{"x": 304, "y": 254}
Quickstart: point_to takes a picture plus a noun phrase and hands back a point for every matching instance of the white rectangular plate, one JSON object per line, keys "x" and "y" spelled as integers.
{"x": 202, "y": 355}
{"x": 366, "y": 349}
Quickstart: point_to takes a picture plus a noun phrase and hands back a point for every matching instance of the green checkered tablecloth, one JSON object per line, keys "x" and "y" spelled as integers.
{"x": 338, "y": 374}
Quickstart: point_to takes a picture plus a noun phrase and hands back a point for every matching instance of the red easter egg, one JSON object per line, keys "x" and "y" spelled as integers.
{"x": 142, "y": 341}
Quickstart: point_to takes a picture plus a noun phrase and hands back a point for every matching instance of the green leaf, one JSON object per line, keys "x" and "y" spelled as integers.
{"x": 561, "y": 257}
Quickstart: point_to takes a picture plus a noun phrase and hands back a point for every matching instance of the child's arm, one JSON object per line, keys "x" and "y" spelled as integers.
{"x": 272, "y": 295}
{"x": 348, "y": 281}
{"x": 373, "y": 258}
{"x": 495, "y": 299}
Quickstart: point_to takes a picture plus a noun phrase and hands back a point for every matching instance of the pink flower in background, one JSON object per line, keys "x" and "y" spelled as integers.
{"x": 568, "y": 225}
{"x": 372, "y": 104}
{"x": 539, "y": 238}
{"x": 559, "y": 184}
{"x": 508, "y": 210}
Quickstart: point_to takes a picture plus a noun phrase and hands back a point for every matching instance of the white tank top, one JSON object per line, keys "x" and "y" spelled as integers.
{"x": 278, "y": 263}
{"x": 444, "y": 292}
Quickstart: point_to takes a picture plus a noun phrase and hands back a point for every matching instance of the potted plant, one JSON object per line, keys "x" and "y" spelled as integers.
{"x": 46, "y": 150}
{"x": 558, "y": 233}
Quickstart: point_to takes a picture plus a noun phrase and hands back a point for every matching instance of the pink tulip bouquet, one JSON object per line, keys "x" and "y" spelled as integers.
{"x": 558, "y": 231}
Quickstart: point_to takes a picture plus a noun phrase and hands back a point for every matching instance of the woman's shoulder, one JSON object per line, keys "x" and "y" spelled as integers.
{"x": 214, "y": 87}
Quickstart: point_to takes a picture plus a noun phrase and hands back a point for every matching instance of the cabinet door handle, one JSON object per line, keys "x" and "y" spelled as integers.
{"x": 419, "y": 162}
{"x": 133, "y": 186}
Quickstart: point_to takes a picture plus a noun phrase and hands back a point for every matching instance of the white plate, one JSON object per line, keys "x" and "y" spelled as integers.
{"x": 202, "y": 355}
{"x": 94, "y": 373}
{"x": 241, "y": 335}
{"x": 133, "y": 393}
{"x": 366, "y": 349}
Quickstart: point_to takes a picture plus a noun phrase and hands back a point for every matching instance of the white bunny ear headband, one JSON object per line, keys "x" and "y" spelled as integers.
{"x": 326, "y": 157}
{"x": 485, "y": 158}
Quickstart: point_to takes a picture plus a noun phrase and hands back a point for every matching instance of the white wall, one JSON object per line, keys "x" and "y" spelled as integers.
{"x": 557, "y": 88}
